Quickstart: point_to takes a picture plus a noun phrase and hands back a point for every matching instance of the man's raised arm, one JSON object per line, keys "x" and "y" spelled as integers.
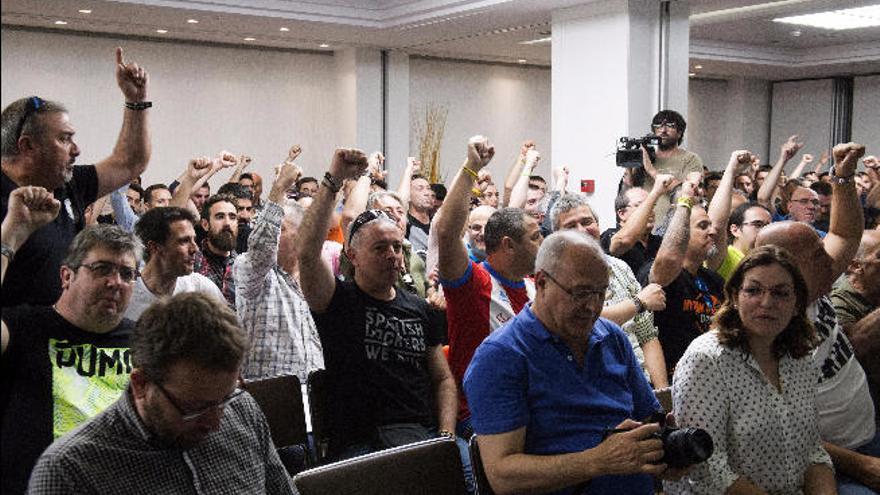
{"x": 29, "y": 209}
{"x": 132, "y": 151}
{"x": 453, "y": 258}
{"x": 719, "y": 207}
{"x": 670, "y": 257}
{"x": 624, "y": 239}
{"x": 847, "y": 221}
{"x": 787, "y": 151}
{"x": 515, "y": 171}
{"x": 315, "y": 276}
{"x": 520, "y": 191}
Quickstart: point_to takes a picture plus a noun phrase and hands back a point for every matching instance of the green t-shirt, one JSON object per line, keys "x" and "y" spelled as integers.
{"x": 731, "y": 261}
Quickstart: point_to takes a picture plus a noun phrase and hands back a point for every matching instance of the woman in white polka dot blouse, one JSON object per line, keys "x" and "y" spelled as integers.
{"x": 751, "y": 384}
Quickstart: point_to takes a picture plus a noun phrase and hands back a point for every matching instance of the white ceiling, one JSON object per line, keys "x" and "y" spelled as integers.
{"x": 728, "y": 37}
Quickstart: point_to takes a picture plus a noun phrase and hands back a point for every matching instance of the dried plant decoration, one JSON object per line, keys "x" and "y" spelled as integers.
{"x": 429, "y": 133}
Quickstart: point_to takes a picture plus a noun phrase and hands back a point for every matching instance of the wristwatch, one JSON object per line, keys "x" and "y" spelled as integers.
{"x": 640, "y": 306}
{"x": 841, "y": 180}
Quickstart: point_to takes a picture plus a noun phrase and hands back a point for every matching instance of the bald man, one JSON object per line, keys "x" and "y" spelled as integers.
{"x": 846, "y": 411}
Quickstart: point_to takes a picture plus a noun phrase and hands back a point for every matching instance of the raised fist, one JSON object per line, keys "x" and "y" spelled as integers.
{"x": 29, "y": 209}
{"x": 480, "y": 153}
{"x": 846, "y": 158}
{"x": 791, "y": 147}
{"x": 348, "y": 163}
{"x": 293, "y": 152}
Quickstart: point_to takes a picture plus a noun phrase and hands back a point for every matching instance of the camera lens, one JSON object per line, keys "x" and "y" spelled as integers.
{"x": 687, "y": 446}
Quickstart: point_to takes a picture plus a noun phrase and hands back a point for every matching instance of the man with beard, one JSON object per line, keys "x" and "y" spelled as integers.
{"x": 390, "y": 381}
{"x": 669, "y": 125}
{"x": 183, "y": 425}
{"x": 217, "y": 254}
{"x": 421, "y": 202}
{"x": 38, "y": 149}
{"x": 474, "y": 235}
{"x": 693, "y": 291}
{"x": 169, "y": 239}
{"x": 62, "y": 364}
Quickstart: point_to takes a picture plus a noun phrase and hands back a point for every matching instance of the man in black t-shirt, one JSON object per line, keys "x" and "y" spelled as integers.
{"x": 37, "y": 149}
{"x": 388, "y": 378}
{"x": 693, "y": 292}
{"x": 633, "y": 241}
{"x": 62, "y": 364}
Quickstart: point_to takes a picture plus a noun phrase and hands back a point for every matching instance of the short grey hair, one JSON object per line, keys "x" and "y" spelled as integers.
{"x": 21, "y": 117}
{"x": 110, "y": 237}
{"x": 552, "y": 250}
{"x": 375, "y": 197}
{"x": 566, "y": 203}
{"x": 506, "y": 222}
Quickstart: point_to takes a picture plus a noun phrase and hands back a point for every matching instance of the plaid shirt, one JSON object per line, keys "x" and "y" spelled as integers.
{"x": 622, "y": 286}
{"x": 272, "y": 308}
{"x": 115, "y": 453}
{"x": 218, "y": 269}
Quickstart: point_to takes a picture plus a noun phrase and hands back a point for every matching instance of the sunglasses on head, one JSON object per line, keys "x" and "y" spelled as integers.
{"x": 32, "y": 106}
{"x": 365, "y": 218}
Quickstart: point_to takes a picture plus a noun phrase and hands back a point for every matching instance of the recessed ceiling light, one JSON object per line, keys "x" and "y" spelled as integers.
{"x": 85, "y": 11}
{"x": 521, "y": 61}
{"x": 324, "y": 45}
{"x": 161, "y": 31}
{"x": 250, "y": 39}
{"x": 796, "y": 33}
{"x": 192, "y": 21}
{"x": 837, "y": 20}
{"x": 61, "y": 23}
{"x": 692, "y": 74}
{"x": 698, "y": 67}
{"x": 284, "y": 29}
{"x": 537, "y": 41}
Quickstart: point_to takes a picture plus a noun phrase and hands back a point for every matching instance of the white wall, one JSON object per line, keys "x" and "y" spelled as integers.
{"x": 507, "y": 104}
{"x": 802, "y": 108}
{"x": 205, "y": 98}
{"x": 866, "y": 113}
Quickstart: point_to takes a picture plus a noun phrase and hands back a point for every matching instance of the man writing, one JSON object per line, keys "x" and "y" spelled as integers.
{"x": 38, "y": 150}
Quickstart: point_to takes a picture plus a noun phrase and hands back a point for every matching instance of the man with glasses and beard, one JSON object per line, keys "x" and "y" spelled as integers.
{"x": 217, "y": 255}
{"x": 38, "y": 149}
{"x": 183, "y": 425}
{"x": 64, "y": 363}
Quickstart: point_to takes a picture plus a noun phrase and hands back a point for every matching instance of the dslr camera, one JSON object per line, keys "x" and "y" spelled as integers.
{"x": 682, "y": 447}
{"x": 629, "y": 150}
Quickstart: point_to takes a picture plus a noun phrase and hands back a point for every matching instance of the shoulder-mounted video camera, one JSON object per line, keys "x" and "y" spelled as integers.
{"x": 629, "y": 150}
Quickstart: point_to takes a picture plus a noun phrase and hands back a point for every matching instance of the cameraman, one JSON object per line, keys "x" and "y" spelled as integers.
{"x": 669, "y": 126}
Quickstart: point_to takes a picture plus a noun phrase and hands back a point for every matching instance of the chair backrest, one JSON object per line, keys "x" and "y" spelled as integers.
{"x": 664, "y": 397}
{"x": 483, "y": 486}
{"x": 319, "y": 411}
{"x": 280, "y": 398}
{"x": 431, "y": 467}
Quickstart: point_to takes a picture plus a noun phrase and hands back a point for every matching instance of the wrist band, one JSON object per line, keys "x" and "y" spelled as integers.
{"x": 841, "y": 180}
{"x": 446, "y": 433}
{"x": 138, "y": 105}
{"x": 471, "y": 172}
{"x": 476, "y": 192}
{"x": 640, "y": 306}
{"x": 331, "y": 183}
{"x": 686, "y": 202}
{"x": 7, "y": 251}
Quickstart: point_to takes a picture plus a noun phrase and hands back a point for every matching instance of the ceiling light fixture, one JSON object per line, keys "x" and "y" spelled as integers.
{"x": 284, "y": 29}
{"x": 161, "y": 31}
{"x": 521, "y": 61}
{"x": 796, "y": 33}
{"x": 61, "y": 23}
{"x": 85, "y": 11}
{"x": 692, "y": 74}
{"x": 838, "y": 20}
{"x": 192, "y": 21}
{"x": 250, "y": 39}
{"x": 537, "y": 41}
{"x": 324, "y": 45}
{"x": 698, "y": 67}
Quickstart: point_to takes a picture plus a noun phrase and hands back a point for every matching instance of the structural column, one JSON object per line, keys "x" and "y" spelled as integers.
{"x": 359, "y": 98}
{"x": 615, "y": 63}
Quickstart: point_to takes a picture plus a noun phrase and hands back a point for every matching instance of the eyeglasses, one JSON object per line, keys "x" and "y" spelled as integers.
{"x": 758, "y": 224}
{"x": 33, "y": 105}
{"x": 365, "y": 218}
{"x": 806, "y": 201}
{"x": 107, "y": 269}
{"x": 475, "y": 227}
{"x": 193, "y": 415}
{"x": 777, "y": 293}
{"x": 668, "y": 125}
{"x": 580, "y": 293}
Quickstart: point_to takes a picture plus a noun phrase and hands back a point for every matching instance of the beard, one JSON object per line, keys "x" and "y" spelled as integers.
{"x": 224, "y": 240}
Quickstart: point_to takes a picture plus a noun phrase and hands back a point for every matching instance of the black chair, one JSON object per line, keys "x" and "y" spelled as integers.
{"x": 319, "y": 410}
{"x": 483, "y": 486}
{"x": 280, "y": 398}
{"x": 431, "y": 467}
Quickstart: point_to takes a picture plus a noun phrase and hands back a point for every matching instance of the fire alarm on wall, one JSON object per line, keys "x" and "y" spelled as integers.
{"x": 588, "y": 186}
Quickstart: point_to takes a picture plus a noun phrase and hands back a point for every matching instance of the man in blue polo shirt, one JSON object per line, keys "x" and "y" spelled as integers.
{"x": 545, "y": 389}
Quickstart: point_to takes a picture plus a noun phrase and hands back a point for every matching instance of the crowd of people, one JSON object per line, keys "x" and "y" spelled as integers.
{"x": 132, "y": 315}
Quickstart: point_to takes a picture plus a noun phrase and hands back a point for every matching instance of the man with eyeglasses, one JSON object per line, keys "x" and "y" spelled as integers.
{"x": 546, "y": 388}
{"x": 803, "y": 206}
{"x": 64, "y": 363}
{"x": 37, "y": 149}
{"x": 745, "y": 222}
{"x": 843, "y": 401}
{"x": 183, "y": 425}
{"x": 669, "y": 126}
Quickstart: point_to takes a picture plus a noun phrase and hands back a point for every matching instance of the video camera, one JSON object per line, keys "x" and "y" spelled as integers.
{"x": 629, "y": 150}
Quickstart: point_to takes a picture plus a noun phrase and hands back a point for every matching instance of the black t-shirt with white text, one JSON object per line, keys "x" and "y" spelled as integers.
{"x": 34, "y": 275}
{"x": 375, "y": 354}
{"x": 55, "y": 377}
{"x": 690, "y": 303}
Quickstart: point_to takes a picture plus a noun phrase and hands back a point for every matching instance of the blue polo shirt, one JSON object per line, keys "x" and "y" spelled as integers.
{"x": 524, "y": 376}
